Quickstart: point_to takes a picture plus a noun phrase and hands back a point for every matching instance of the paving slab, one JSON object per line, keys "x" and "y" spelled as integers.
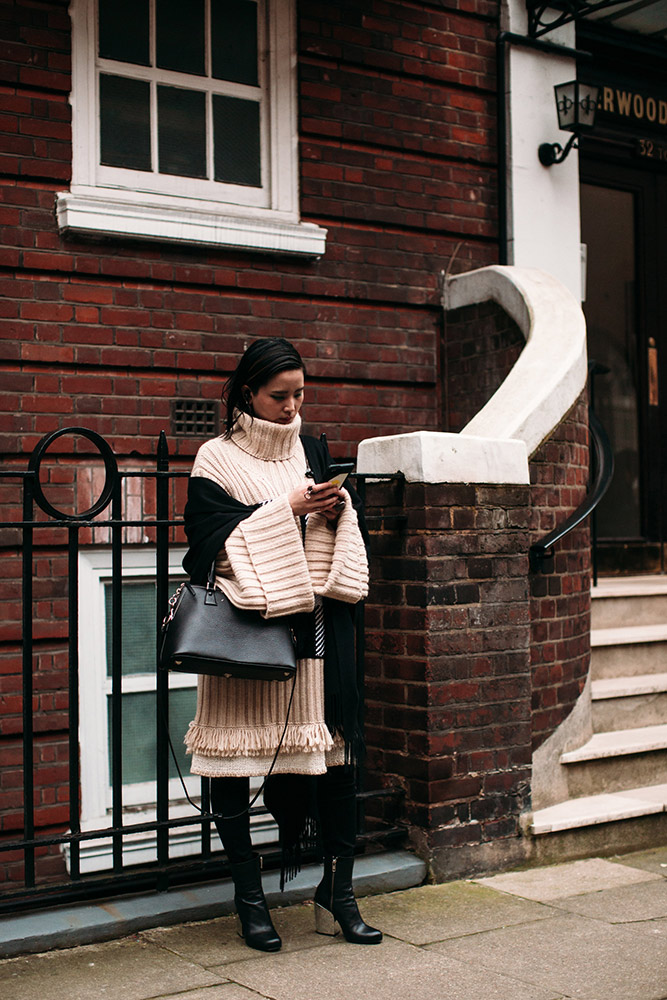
{"x": 227, "y": 991}
{"x": 214, "y": 942}
{"x": 118, "y": 970}
{"x": 628, "y": 904}
{"x": 572, "y": 879}
{"x": 66, "y": 926}
{"x": 653, "y": 860}
{"x": 579, "y": 957}
{"x": 437, "y": 912}
{"x": 392, "y": 969}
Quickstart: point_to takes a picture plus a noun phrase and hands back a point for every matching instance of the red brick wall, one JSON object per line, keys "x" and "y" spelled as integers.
{"x": 448, "y": 665}
{"x": 481, "y": 346}
{"x": 560, "y": 599}
{"x": 398, "y": 161}
{"x": 473, "y": 660}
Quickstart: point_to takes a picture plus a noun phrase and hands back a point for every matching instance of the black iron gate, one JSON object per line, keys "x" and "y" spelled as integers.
{"x": 24, "y": 886}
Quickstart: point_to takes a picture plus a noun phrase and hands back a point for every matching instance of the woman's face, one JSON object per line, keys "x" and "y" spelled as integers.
{"x": 279, "y": 400}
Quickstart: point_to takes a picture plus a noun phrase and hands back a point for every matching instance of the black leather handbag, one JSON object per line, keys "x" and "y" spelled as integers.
{"x": 204, "y": 633}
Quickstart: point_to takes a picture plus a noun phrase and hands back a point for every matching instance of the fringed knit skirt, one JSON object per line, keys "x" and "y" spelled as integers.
{"x": 238, "y": 726}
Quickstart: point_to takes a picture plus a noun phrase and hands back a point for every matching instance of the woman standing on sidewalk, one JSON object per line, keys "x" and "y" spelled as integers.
{"x": 283, "y": 545}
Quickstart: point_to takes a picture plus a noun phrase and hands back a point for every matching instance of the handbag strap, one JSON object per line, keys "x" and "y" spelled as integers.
{"x": 212, "y": 815}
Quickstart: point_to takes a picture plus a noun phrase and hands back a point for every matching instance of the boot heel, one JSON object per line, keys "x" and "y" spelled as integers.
{"x": 325, "y": 922}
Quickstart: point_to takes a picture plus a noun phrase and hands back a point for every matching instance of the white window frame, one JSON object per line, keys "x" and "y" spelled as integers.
{"x": 95, "y": 567}
{"x": 134, "y": 203}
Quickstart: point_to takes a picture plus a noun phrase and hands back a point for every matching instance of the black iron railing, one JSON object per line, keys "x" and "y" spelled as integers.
{"x": 541, "y": 554}
{"x": 38, "y": 515}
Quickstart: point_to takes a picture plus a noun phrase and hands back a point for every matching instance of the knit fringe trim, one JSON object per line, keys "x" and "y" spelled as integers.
{"x": 258, "y": 741}
{"x": 290, "y": 860}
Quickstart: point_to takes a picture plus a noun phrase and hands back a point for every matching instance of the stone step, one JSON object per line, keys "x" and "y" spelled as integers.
{"x": 628, "y": 650}
{"x": 629, "y": 702}
{"x": 592, "y": 810}
{"x": 614, "y": 761}
{"x": 630, "y": 600}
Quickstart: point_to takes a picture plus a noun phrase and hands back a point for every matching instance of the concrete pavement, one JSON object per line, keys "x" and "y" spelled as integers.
{"x": 593, "y": 929}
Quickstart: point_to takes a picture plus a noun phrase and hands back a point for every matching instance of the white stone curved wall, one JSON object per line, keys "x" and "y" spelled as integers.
{"x": 545, "y": 382}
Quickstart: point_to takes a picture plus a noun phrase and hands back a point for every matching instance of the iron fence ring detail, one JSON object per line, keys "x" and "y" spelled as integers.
{"x": 110, "y": 471}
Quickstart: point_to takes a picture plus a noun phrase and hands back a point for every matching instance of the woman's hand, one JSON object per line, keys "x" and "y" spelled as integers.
{"x": 316, "y": 498}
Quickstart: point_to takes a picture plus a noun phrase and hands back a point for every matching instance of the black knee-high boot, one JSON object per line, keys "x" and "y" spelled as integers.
{"x": 230, "y": 796}
{"x": 334, "y": 898}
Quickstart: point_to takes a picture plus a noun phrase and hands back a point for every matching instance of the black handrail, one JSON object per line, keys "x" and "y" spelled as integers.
{"x": 603, "y": 458}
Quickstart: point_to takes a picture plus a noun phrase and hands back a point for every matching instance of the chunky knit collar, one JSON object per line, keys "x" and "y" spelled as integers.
{"x": 265, "y": 440}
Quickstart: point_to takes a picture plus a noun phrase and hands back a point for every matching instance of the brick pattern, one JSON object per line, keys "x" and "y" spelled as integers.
{"x": 473, "y": 660}
{"x": 448, "y": 662}
{"x": 397, "y": 144}
{"x": 397, "y": 160}
{"x": 397, "y": 153}
{"x": 481, "y": 346}
{"x": 560, "y": 600}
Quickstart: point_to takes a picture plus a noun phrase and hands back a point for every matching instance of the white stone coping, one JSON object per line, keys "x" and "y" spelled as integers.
{"x": 619, "y": 743}
{"x": 210, "y": 226}
{"x": 628, "y": 635}
{"x": 550, "y": 372}
{"x": 628, "y": 687}
{"x": 592, "y": 810}
{"x": 432, "y": 457}
{"x": 543, "y": 385}
{"x": 629, "y": 586}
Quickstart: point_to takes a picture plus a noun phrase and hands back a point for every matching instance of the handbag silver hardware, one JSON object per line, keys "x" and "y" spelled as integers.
{"x": 173, "y": 601}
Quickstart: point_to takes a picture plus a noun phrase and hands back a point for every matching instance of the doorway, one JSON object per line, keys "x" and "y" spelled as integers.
{"x": 622, "y": 211}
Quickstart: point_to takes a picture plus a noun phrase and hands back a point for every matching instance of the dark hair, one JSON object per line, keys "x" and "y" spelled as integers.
{"x": 259, "y": 363}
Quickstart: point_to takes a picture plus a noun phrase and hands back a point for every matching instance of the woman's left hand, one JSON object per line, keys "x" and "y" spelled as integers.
{"x": 316, "y": 498}
{"x": 333, "y": 513}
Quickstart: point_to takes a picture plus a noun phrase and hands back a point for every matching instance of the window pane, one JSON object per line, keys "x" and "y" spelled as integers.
{"x": 123, "y": 31}
{"x": 139, "y": 733}
{"x": 125, "y": 139}
{"x": 179, "y": 36}
{"x": 182, "y": 131}
{"x": 138, "y": 611}
{"x": 236, "y": 141}
{"x": 234, "y": 41}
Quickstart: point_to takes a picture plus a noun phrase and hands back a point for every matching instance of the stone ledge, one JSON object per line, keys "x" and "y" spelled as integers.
{"x": 85, "y": 923}
{"x": 619, "y": 743}
{"x": 628, "y": 635}
{"x": 593, "y": 810}
{"x": 433, "y": 457}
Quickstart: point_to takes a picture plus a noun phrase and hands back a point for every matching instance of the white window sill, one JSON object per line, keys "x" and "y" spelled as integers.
{"x": 107, "y": 213}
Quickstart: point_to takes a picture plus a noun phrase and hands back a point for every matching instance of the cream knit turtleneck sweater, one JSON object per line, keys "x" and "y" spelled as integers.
{"x": 266, "y": 566}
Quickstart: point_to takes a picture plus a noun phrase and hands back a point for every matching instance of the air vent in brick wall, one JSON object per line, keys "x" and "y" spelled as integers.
{"x": 194, "y": 418}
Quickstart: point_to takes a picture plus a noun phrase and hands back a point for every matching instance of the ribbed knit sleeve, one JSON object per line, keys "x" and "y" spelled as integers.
{"x": 336, "y": 556}
{"x": 268, "y": 562}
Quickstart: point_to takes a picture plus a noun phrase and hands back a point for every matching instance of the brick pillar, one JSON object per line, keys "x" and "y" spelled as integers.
{"x": 448, "y": 669}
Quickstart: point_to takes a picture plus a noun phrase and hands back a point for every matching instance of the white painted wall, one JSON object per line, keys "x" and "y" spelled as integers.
{"x": 543, "y": 202}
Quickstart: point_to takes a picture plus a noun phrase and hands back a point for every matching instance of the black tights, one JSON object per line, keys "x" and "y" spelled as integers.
{"x": 336, "y": 803}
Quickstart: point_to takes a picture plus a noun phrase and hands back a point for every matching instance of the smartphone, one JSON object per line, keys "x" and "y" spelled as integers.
{"x": 338, "y": 473}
